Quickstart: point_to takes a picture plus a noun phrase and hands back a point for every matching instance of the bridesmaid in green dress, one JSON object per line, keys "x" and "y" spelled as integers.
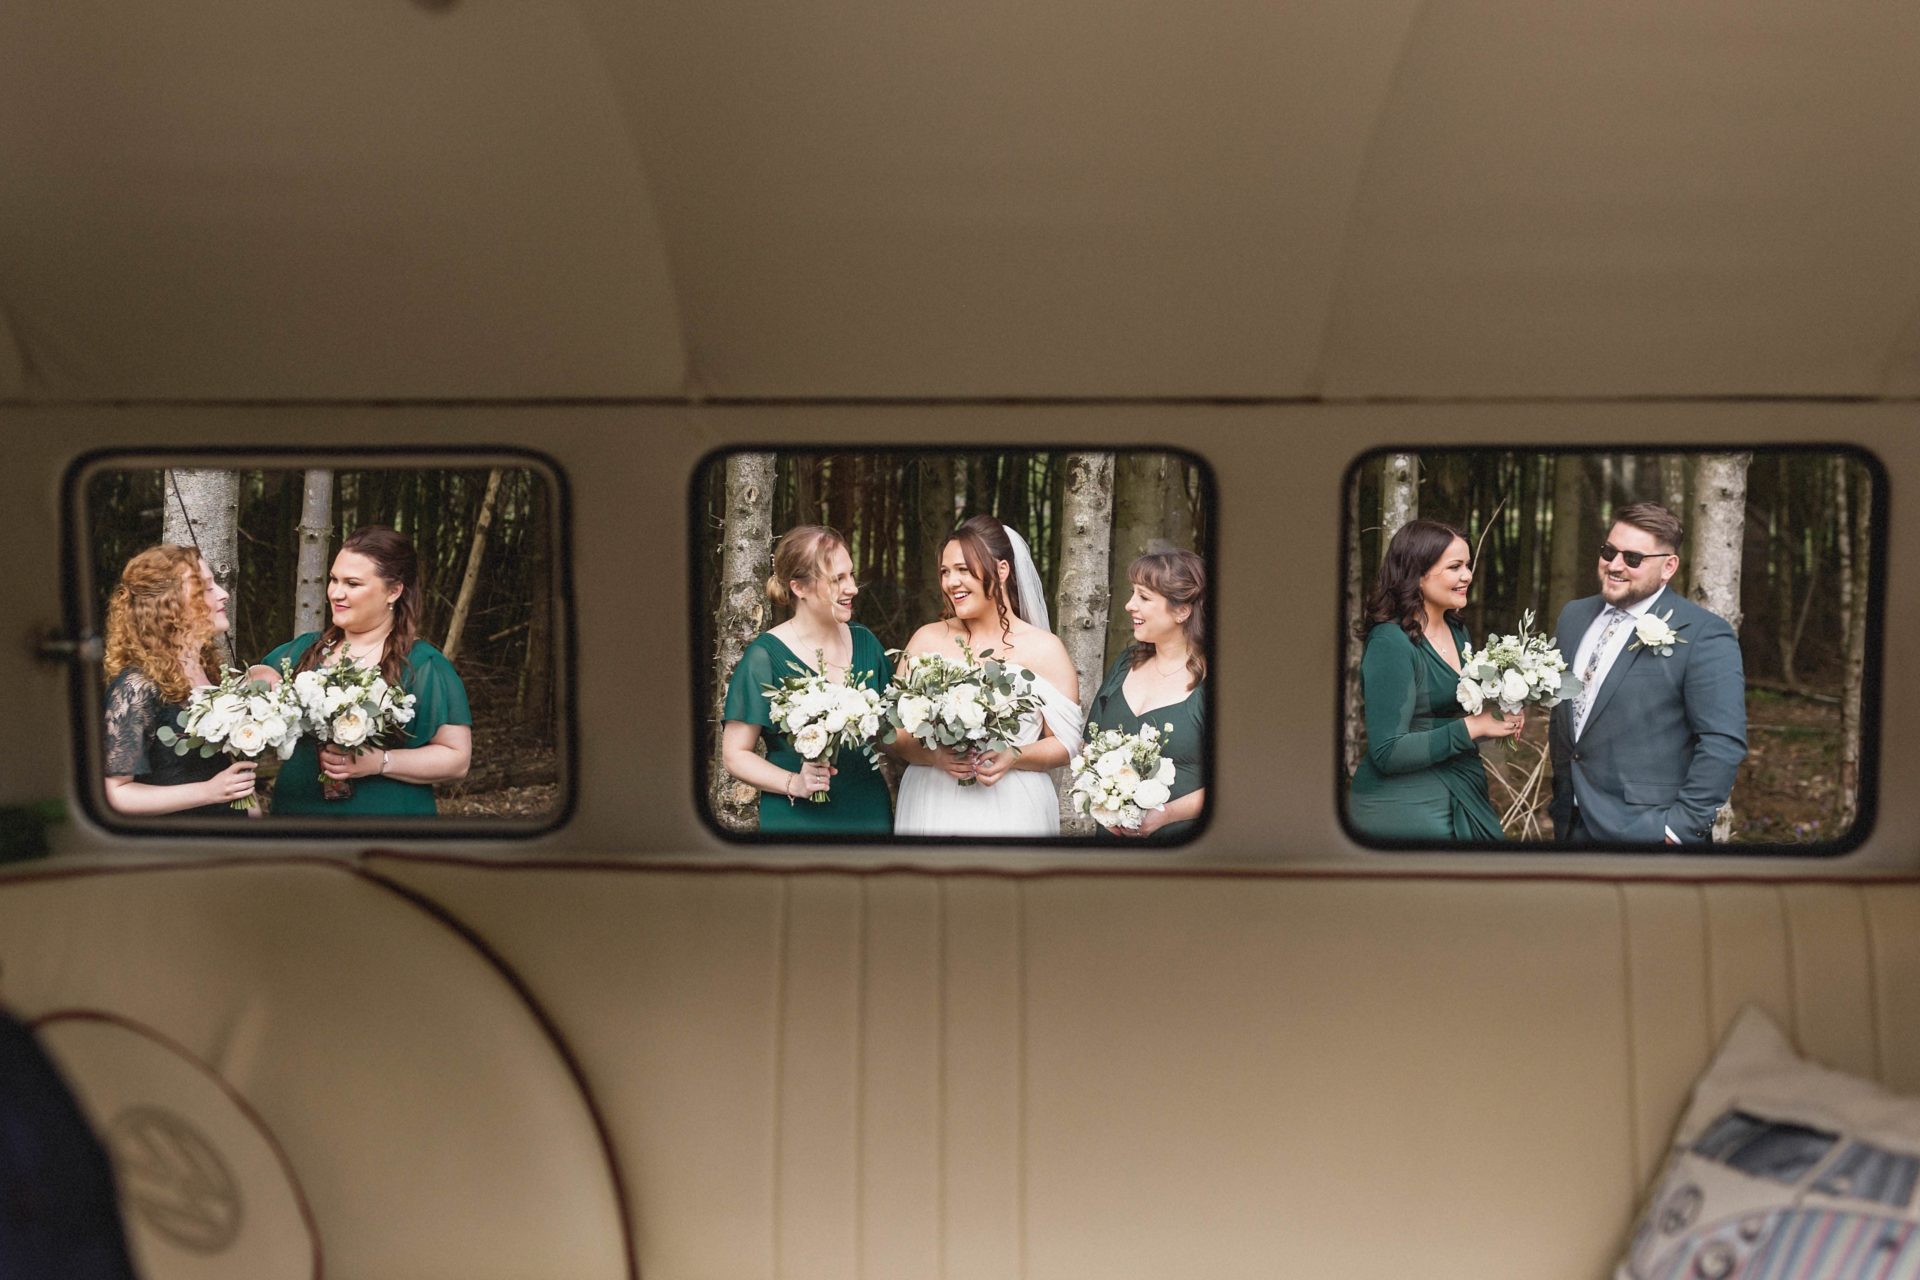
{"x": 812, "y": 572}
{"x": 1421, "y": 778}
{"x": 373, "y": 599}
{"x": 1163, "y": 673}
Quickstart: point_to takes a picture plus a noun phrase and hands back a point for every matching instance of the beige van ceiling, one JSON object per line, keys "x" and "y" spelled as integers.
{"x": 1025, "y": 198}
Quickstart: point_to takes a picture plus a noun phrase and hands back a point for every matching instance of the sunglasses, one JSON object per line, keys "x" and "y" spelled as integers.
{"x": 1633, "y": 558}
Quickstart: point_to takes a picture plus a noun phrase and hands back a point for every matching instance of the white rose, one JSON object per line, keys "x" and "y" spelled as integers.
{"x": 914, "y": 710}
{"x": 248, "y": 736}
{"x": 811, "y": 741}
{"x": 1150, "y": 794}
{"x": 869, "y": 725}
{"x": 964, "y": 706}
{"x": 350, "y": 727}
{"x": 1650, "y": 630}
{"x": 1112, "y": 818}
{"x": 835, "y": 720}
{"x": 258, "y": 707}
{"x": 1471, "y": 699}
{"x": 1513, "y": 687}
{"x": 274, "y": 730}
{"x": 378, "y": 688}
{"x": 1164, "y": 774}
{"x": 1113, "y": 762}
{"x": 1124, "y": 776}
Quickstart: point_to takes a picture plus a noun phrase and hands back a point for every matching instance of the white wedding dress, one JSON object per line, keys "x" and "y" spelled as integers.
{"x": 1023, "y": 803}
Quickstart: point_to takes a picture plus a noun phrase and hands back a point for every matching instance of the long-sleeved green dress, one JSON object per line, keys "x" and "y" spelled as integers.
{"x": 1421, "y": 778}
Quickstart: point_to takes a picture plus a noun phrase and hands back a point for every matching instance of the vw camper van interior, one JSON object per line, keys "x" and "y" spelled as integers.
{"x": 692, "y": 641}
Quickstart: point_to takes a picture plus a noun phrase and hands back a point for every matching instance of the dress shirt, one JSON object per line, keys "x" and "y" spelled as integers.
{"x": 1622, "y": 637}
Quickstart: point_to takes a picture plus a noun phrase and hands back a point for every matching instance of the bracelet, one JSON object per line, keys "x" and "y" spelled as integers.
{"x": 788, "y": 788}
{"x": 386, "y": 758}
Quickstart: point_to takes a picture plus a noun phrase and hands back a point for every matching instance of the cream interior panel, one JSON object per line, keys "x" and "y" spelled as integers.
{"x": 1668, "y": 990}
{"x": 818, "y": 1152}
{"x": 984, "y": 1077}
{"x": 1294, "y": 1060}
{"x": 1893, "y": 932}
{"x": 1834, "y": 1016}
{"x": 1750, "y": 956}
{"x": 667, "y": 988}
{"x": 425, "y": 1117}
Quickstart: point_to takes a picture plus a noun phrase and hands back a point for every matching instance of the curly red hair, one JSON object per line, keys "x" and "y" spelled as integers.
{"x": 156, "y": 616}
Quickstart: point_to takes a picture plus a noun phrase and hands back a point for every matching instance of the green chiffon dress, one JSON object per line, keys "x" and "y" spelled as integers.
{"x": 1421, "y": 778}
{"x": 1189, "y": 739}
{"x": 860, "y": 804}
{"x": 440, "y": 698}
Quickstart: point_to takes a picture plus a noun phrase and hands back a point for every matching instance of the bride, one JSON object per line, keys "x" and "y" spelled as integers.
{"x": 993, "y": 601}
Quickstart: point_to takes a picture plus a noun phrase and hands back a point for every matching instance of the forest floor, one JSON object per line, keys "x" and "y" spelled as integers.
{"x": 1788, "y": 790}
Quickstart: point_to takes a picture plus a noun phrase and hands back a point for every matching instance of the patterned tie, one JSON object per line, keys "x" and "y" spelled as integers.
{"x": 1585, "y": 700}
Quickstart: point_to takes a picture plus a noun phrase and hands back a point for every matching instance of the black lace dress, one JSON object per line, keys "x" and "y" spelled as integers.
{"x": 135, "y": 711}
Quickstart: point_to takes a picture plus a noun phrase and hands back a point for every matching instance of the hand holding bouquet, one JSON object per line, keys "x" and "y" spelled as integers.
{"x": 1514, "y": 672}
{"x": 1118, "y": 776}
{"x": 350, "y": 707}
{"x": 240, "y": 717}
{"x": 821, "y": 716}
{"x": 962, "y": 707}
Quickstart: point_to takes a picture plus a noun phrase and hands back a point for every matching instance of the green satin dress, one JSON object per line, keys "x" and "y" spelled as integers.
{"x": 860, "y": 803}
{"x": 1421, "y": 778}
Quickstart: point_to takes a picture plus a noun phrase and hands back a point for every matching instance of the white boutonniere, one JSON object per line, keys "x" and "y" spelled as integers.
{"x": 1655, "y": 634}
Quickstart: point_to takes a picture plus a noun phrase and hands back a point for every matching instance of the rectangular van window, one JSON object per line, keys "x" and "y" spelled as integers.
{"x": 321, "y": 644}
{"x": 1664, "y": 650}
{"x": 1013, "y": 640}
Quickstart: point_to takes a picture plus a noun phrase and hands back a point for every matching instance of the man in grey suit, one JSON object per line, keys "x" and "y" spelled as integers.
{"x": 1647, "y": 753}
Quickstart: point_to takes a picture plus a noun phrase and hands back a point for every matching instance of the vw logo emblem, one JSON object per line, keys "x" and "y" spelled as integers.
{"x": 172, "y": 1177}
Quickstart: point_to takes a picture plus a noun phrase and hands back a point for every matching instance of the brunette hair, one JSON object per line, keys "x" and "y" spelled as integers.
{"x": 154, "y": 617}
{"x": 1652, "y": 518}
{"x": 1416, "y": 548}
{"x": 394, "y": 562}
{"x": 983, "y": 540}
{"x": 1180, "y": 578}
{"x": 801, "y": 556}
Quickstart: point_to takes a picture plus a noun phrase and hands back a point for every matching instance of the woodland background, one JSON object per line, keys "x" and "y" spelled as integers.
{"x": 485, "y": 541}
{"x": 1778, "y": 543}
{"x": 1086, "y": 516}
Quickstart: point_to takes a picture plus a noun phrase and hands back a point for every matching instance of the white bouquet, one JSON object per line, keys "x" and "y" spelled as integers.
{"x": 1513, "y": 672}
{"x": 822, "y": 716}
{"x": 962, "y": 707}
{"x": 351, "y": 707}
{"x": 240, "y": 717}
{"x": 1118, "y": 776}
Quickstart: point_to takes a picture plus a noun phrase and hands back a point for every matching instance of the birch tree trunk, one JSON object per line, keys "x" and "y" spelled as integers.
{"x": 463, "y": 604}
{"x": 746, "y": 543}
{"x": 1673, "y": 495}
{"x": 310, "y": 566}
{"x": 1140, "y": 504}
{"x": 1081, "y": 611}
{"x": 1719, "y": 521}
{"x": 1399, "y": 496}
{"x": 203, "y": 510}
{"x": 1179, "y": 526}
{"x": 1854, "y": 521}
